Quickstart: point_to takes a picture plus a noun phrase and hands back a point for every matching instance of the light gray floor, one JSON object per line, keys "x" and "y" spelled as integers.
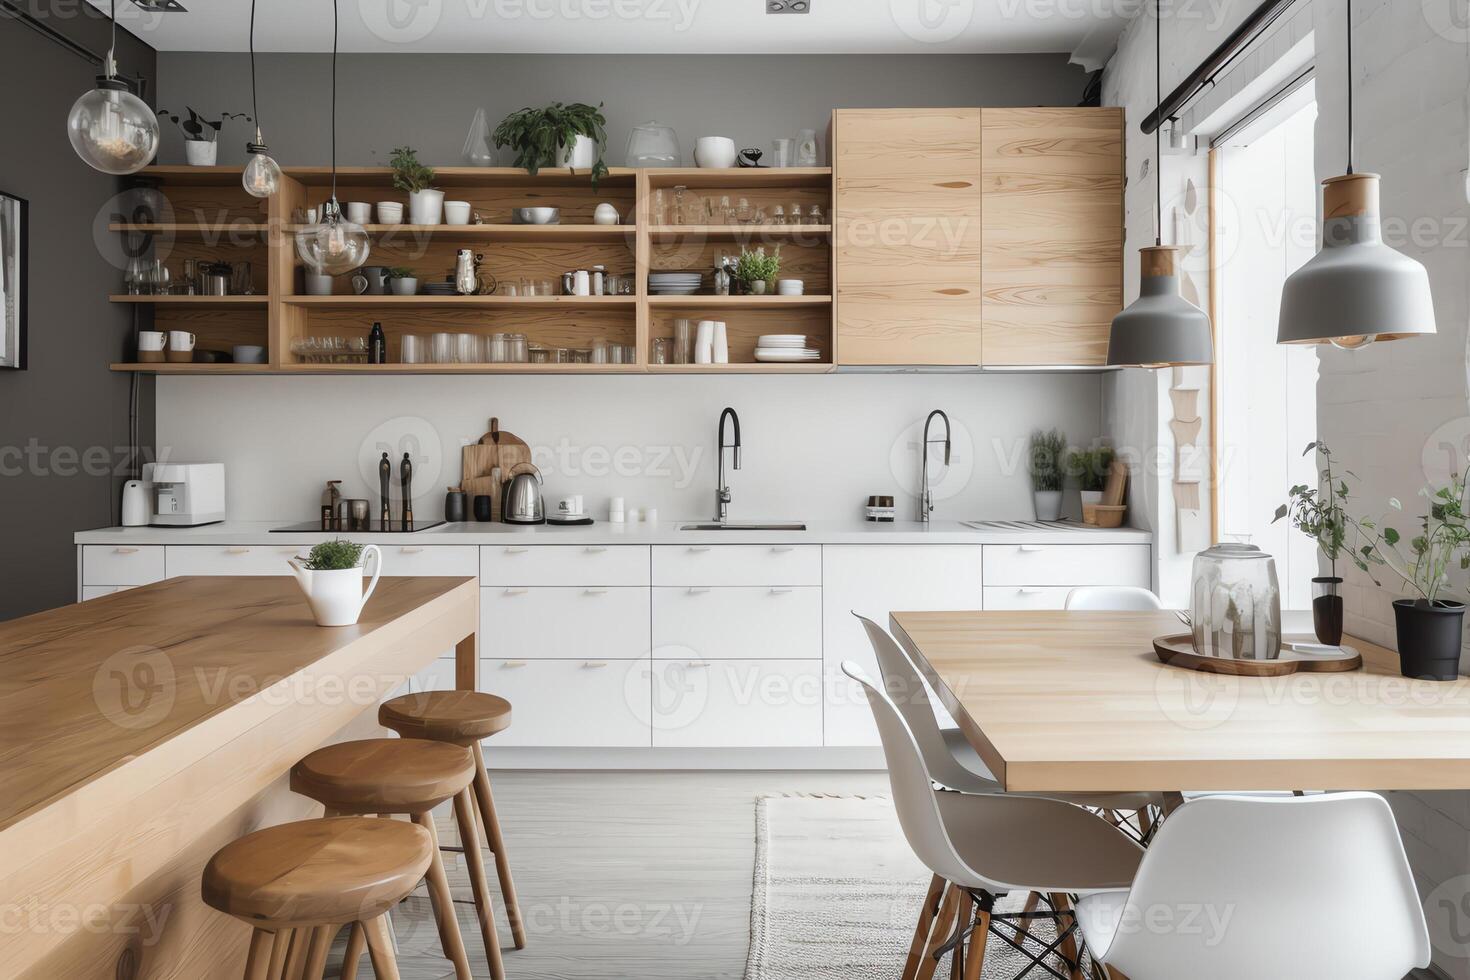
{"x": 621, "y": 874}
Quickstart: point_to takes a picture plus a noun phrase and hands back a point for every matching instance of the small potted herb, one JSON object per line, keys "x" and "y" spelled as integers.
{"x": 1319, "y": 513}
{"x": 402, "y": 281}
{"x": 201, "y": 135}
{"x": 331, "y": 577}
{"x": 1430, "y": 626}
{"x": 756, "y": 271}
{"x": 559, "y": 135}
{"x": 425, "y": 204}
{"x": 1091, "y": 470}
{"x": 1046, "y": 464}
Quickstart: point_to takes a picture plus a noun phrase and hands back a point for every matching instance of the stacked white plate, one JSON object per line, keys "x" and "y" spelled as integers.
{"x": 785, "y": 347}
{"x": 674, "y": 283}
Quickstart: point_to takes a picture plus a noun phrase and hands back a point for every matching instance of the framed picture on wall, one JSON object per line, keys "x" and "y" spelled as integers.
{"x": 13, "y": 242}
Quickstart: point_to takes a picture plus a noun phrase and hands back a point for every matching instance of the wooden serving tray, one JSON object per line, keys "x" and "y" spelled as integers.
{"x": 1177, "y": 650}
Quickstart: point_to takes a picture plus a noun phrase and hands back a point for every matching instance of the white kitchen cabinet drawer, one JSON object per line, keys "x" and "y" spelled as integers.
{"x": 1026, "y": 596}
{"x": 737, "y": 703}
{"x": 520, "y": 622}
{"x": 730, "y": 623}
{"x": 98, "y": 591}
{"x": 571, "y": 702}
{"x": 430, "y": 560}
{"x": 232, "y": 559}
{"x": 1067, "y": 564}
{"x": 105, "y": 564}
{"x": 563, "y": 565}
{"x": 738, "y": 564}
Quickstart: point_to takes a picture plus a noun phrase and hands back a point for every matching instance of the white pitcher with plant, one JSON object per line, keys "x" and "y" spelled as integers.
{"x": 331, "y": 577}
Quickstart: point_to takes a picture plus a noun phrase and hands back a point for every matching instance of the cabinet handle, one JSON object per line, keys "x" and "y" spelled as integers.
{"x": 593, "y": 664}
{"x": 594, "y": 550}
{"x": 516, "y": 551}
{"x": 1028, "y": 592}
{"x": 780, "y": 592}
{"x": 237, "y": 551}
{"x": 695, "y": 550}
{"x": 124, "y": 551}
{"x": 697, "y": 663}
{"x": 699, "y": 591}
{"x": 594, "y": 591}
{"x": 516, "y": 591}
{"x": 407, "y": 550}
{"x": 782, "y": 549}
{"x": 287, "y": 551}
{"x": 512, "y": 664}
{"x": 1029, "y": 548}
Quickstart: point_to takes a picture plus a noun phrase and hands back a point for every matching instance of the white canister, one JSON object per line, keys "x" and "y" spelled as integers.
{"x": 704, "y": 340}
{"x": 457, "y": 212}
{"x": 359, "y": 212}
{"x": 425, "y": 207}
{"x": 581, "y": 283}
{"x": 615, "y": 510}
{"x": 581, "y": 155}
{"x": 714, "y": 151}
{"x": 390, "y": 213}
{"x": 720, "y": 344}
{"x": 201, "y": 153}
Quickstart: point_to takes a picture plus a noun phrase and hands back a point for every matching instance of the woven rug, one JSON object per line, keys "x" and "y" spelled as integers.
{"x": 837, "y": 893}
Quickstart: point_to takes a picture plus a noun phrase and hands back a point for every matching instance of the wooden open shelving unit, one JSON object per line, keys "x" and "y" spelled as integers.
{"x": 207, "y": 215}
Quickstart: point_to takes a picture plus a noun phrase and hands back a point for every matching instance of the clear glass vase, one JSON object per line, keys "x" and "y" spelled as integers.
{"x": 1236, "y": 603}
{"x": 477, "y": 149}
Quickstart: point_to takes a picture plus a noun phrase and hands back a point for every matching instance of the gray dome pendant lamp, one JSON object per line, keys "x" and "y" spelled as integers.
{"x": 1356, "y": 290}
{"x": 1160, "y": 328}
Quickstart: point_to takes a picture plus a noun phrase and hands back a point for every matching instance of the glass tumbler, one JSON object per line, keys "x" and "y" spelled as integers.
{"x": 443, "y": 348}
{"x": 499, "y": 348}
{"x": 599, "y": 352}
{"x": 517, "y": 350}
{"x": 1235, "y": 602}
{"x": 683, "y": 341}
{"x": 413, "y": 350}
{"x": 661, "y": 349}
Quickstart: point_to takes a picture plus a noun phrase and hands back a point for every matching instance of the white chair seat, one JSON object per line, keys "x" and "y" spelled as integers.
{"x": 964, "y": 753}
{"x": 1098, "y": 916}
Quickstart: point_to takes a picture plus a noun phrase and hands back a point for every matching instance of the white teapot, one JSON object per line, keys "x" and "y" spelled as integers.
{"x": 336, "y": 595}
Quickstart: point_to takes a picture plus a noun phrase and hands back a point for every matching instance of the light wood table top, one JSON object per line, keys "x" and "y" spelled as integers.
{"x": 86, "y": 688}
{"x": 1078, "y": 701}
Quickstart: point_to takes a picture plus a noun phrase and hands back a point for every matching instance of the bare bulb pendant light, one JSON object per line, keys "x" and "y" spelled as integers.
{"x": 110, "y": 128}
{"x": 262, "y": 175}
{"x": 1160, "y": 328}
{"x": 1356, "y": 290}
{"x": 333, "y": 245}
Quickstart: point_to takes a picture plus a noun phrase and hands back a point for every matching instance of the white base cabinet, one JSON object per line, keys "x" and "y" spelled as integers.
{"x": 777, "y": 622}
{"x": 737, "y": 703}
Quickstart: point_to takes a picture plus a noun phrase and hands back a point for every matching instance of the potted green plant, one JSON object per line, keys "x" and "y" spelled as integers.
{"x": 559, "y": 135}
{"x": 1046, "y": 464}
{"x": 1429, "y": 626}
{"x": 757, "y": 271}
{"x": 1320, "y": 513}
{"x": 1091, "y": 469}
{"x": 201, "y": 135}
{"x": 402, "y": 281}
{"x": 331, "y": 577}
{"x": 425, "y": 204}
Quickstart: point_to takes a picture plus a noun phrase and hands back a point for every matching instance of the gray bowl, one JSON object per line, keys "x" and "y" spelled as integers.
{"x": 535, "y": 216}
{"x": 248, "y": 354}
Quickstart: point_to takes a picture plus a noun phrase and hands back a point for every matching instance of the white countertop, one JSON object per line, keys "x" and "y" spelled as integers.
{"x": 664, "y": 532}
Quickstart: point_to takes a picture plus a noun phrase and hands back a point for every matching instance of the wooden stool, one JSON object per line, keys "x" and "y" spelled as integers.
{"x": 298, "y": 883}
{"x": 387, "y": 776}
{"x": 464, "y": 718}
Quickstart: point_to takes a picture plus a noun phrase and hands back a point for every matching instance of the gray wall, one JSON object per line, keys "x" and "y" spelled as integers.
{"x": 427, "y": 101}
{"x": 64, "y": 420}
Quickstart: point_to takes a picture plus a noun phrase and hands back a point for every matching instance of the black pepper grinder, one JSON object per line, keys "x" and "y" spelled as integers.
{"x": 405, "y": 475}
{"x": 385, "y": 474}
{"x": 377, "y": 345}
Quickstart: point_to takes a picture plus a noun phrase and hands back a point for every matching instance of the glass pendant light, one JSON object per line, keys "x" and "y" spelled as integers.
{"x": 1161, "y": 328}
{"x": 112, "y": 129}
{"x": 333, "y": 245}
{"x": 262, "y": 176}
{"x": 1356, "y": 290}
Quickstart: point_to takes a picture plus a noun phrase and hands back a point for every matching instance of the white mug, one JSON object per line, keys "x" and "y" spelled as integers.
{"x": 150, "y": 340}
{"x": 456, "y": 212}
{"x": 359, "y": 212}
{"x": 567, "y": 507}
{"x": 390, "y": 212}
{"x": 180, "y": 340}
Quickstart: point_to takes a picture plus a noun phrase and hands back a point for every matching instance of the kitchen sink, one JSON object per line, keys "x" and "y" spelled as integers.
{"x": 736, "y": 526}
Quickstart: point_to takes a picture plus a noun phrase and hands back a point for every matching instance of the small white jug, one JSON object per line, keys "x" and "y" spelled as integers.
{"x": 335, "y": 595}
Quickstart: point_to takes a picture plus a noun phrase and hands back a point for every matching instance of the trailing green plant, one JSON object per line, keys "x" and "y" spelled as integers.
{"x": 758, "y": 266}
{"x": 1091, "y": 468}
{"x": 408, "y": 174}
{"x": 332, "y": 555}
{"x": 537, "y": 134}
{"x": 196, "y": 127}
{"x": 400, "y": 272}
{"x": 1443, "y": 542}
{"x": 1320, "y": 512}
{"x": 1046, "y": 460}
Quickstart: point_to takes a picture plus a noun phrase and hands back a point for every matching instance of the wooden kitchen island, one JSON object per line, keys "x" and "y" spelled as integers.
{"x": 141, "y": 731}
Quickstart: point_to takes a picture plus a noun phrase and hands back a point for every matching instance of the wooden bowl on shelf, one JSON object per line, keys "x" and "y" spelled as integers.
{"x": 1107, "y": 515}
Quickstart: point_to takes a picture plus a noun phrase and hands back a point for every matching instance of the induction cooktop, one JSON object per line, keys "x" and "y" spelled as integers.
{"x": 394, "y": 527}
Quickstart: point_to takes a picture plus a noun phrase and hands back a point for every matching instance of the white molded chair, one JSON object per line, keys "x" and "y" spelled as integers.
{"x": 1113, "y": 598}
{"x": 1235, "y": 887}
{"x": 982, "y": 846}
{"x": 950, "y": 757}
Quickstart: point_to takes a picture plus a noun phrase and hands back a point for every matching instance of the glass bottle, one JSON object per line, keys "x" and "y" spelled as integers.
{"x": 679, "y": 203}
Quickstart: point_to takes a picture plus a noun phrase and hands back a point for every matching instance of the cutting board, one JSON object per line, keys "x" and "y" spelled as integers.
{"x": 1178, "y": 651}
{"x": 497, "y": 449}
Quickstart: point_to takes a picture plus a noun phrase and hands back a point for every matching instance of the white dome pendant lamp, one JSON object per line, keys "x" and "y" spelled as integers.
{"x": 1356, "y": 290}
{"x": 262, "y": 175}
{"x": 1160, "y": 328}
{"x": 333, "y": 245}
{"x": 110, "y": 128}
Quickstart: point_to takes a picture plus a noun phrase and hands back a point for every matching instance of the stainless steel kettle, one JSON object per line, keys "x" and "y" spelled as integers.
{"x": 520, "y": 496}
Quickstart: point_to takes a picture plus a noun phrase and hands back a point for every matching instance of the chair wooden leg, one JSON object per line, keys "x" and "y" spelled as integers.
{"x": 927, "y": 912}
{"x": 316, "y": 952}
{"x": 957, "y": 955}
{"x": 257, "y": 964}
{"x": 975, "y": 956}
{"x": 380, "y": 948}
{"x": 943, "y": 927}
{"x": 296, "y": 954}
{"x": 1145, "y": 822}
{"x": 443, "y": 904}
{"x": 1063, "y": 905}
{"x": 356, "y": 943}
{"x": 496, "y": 842}
{"x": 464, "y": 813}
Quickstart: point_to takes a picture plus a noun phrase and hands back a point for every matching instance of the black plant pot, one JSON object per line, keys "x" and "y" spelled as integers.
{"x": 1429, "y": 638}
{"x": 1327, "y": 609}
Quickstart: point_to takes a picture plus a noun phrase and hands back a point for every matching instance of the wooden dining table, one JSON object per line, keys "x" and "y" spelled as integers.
{"x": 1078, "y": 701}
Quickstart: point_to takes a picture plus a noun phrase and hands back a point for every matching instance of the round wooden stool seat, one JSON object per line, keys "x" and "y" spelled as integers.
{"x": 384, "y": 775}
{"x": 462, "y": 717}
{"x": 316, "y": 872}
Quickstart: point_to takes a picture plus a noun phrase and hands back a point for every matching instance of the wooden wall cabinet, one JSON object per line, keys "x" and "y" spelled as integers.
{"x": 977, "y": 236}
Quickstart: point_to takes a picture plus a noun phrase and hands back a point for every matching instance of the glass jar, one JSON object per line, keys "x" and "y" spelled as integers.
{"x": 652, "y": 144}
{"x": 661, "y": 349}
{"x": 1235, "y": 602}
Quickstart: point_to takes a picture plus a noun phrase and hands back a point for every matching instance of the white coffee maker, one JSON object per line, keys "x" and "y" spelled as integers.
{"x": 186, "y": 494}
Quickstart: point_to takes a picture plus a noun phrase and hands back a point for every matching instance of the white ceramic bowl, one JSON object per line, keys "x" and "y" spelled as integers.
{"x": 789, "y": 287}
{"x": 714, "y": 151}
{"x": 536, "y": 216}
{"x": 456, "y": 212}
{"x": 390, "y": 213}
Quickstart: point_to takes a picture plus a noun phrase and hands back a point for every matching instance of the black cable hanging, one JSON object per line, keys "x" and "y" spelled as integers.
{"x": 254, "y": 99}
{"x": 334, "y": 107}
{"x": 1349, "y": 7}
{"x": 1158, "y": 132}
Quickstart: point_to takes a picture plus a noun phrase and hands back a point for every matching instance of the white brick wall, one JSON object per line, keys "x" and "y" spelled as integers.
{"x": 1377, "y": 407}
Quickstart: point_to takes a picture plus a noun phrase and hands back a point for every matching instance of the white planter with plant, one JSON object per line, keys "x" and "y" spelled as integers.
{"x": 756, "y": 271}
{"x": 201, "y": 136}
{"x": 331, "y": 578}
{"x": 402, "y": 281}
{"x": 1047, "y": 473}
{"x": 425, "y": 204}
{"x": 571, "y": 135}
{"x": 1091, "y": 469}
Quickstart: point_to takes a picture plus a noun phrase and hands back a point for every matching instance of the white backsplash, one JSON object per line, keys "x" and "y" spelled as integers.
{"x": 814, "y": 446}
